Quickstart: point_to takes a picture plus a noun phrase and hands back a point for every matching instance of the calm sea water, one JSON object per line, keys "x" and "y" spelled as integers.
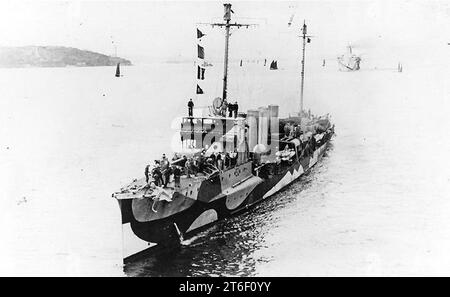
{"x": 377, "y": 204}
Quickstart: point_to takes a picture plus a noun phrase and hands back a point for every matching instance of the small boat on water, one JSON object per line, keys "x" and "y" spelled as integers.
{"x": 207, "y": 64}
{"x": 118, "y": 70}
{"x": 274, "y": 65}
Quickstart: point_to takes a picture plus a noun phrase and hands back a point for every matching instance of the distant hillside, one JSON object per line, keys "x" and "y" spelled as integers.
{"x": 54, "y": 56}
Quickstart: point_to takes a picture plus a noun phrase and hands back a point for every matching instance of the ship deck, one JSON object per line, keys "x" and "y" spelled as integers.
{"x": 138, "y": 188}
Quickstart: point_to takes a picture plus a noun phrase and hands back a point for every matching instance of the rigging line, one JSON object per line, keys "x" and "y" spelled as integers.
{"x": 238, "y": 89}
{"x": 218, "y": 81}
{"x": 250, "y": 18}
{"x": 195, "y": 80}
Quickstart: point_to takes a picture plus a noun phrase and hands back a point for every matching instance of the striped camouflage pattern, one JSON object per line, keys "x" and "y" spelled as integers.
{"x": 204, "y": 202}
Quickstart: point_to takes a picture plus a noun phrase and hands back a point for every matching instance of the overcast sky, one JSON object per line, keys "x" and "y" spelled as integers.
{"x": 148, "y": 30}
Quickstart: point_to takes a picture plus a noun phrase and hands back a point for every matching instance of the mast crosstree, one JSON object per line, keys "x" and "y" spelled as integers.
{"x": 227, "y": 24}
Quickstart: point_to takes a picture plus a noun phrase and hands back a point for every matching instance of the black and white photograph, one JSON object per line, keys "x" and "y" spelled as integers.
{"x": 224, "y": 139}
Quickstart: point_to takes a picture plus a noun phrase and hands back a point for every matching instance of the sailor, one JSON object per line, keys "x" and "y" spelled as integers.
{"x": 190, "y": 107}
{"x": 223, "y": 108}
{"x": 235, "y": 108}
{"x": 164, "y": 160}
{"x": 292, "y": 131}
{"x": 287, "y": 130}
{"x": 156, "y": 173}
{"x": 190, "y": 168}
{"x": 147, "y": 173}
{"x": 298, "y": 131}
{"x": 187, "y": 168}
{"x": 200, "y": 160}
{"x": 233, "y": 156}
{"x": 195, "y": 165}
{"x": 219, "y": 162}
{"x": 176, "y": 175}
{"x": 165, "y": 169}
{"x": 230, "y": 109}
{"x": 183, "y": 161}
{"x": 227, "y": 160}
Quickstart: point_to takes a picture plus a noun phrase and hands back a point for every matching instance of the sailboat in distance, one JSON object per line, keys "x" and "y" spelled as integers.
{"x": 118, "y": 70}
{"x": 274, "y": 65}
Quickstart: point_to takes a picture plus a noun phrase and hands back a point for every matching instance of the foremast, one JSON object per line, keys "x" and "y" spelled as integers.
{"x": 227, "y": 19}
{"x": 227, "y": 25}
{"x": 306, "y": 39}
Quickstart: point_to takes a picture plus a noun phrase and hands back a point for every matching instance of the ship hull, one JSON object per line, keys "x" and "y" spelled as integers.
{"x": 351, "y": 65}
{"x": 141, "y": 233}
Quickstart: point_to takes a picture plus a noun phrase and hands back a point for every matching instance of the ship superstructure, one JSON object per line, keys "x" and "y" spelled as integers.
{"x": 349, "y": 61}
{"x": 227, "y": 163}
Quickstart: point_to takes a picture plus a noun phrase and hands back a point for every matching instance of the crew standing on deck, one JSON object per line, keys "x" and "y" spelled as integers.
{"x": 230, "y": 109}
{"x": 223, "y": 108}
{"x": 287, "y": 130}
{"x": 219, "y": 162}
{"x": 227, "y": 160}
{"x": 147, "y": 173}
{"x": 187, "y": 168}
{"x": 165, "y": 169}
{"x": 297, "y": 131}
{"x": 190, "y": 107}
{"x": 235, "y": 108}
{"x": 156, "y": 174}
{"x": 176, "y": 175}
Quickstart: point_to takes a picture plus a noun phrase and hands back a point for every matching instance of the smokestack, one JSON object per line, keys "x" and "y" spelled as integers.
{"x": 252, "y": 121}
{"x": 273, "y": 111}
{"x": 263, "y": 126}
{"x": 274, "y": 128}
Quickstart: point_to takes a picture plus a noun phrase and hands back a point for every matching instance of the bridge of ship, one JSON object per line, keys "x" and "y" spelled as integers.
{"x": 202, "y": 132}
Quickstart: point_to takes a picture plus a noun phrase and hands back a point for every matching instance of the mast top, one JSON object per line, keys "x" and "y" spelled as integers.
{"x": 228, "y": 11}
{"x": 306, "y": 39}
{"x": 227, "y": 25}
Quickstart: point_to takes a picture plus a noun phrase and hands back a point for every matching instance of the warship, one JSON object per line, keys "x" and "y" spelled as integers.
{"x": 227, "y": 163}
